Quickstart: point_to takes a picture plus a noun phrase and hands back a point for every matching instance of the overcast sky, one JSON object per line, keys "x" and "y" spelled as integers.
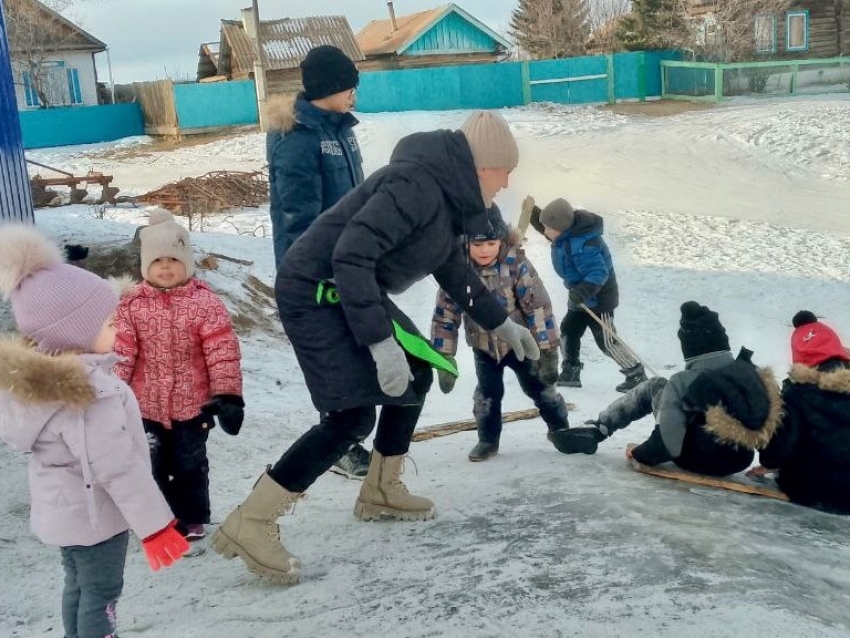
{"x": 154, "y": 39}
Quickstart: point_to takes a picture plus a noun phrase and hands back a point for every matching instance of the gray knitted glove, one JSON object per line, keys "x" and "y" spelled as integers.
{"x": 520, "y": 340}
{"x": 393, "y": 372}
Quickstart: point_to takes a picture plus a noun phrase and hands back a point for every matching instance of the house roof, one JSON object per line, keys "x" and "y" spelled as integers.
{"x": 378, "y": 38}
{"x": 286, "y": 42}
{"x": 67, "y": 36}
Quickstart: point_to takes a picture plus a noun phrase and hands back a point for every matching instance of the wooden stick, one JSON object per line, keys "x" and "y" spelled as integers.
{"x": 453, "y": 427}
{"x": 708, "y": 481}
{"x": 614, "y": 335}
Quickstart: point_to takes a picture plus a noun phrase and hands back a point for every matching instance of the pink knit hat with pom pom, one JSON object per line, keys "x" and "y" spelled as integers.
{"x": 59, "y": 306}
{"x": 164, "y": 237}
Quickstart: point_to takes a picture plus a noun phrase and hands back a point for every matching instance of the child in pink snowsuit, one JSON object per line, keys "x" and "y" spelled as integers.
{"x": 178, "y": 352}
{"x": 89, "y": 468}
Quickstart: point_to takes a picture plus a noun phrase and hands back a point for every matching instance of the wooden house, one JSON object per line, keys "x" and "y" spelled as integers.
{"x": 795, "y": 29}
{"x": 447, "y": 35}
{"x": 285, "y": 43}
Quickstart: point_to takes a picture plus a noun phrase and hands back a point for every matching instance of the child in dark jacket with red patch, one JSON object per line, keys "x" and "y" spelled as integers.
{"x": 812, "y": 448}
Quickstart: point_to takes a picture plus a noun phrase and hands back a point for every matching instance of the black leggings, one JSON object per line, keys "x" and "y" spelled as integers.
{"x": 322, "y": 445}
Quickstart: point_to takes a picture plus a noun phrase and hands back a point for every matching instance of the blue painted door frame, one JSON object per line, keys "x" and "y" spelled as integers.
{"x": 15, "y": 194}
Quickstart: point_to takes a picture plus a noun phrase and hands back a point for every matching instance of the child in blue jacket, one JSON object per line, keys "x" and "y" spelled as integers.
{"x": 582, "y": 259}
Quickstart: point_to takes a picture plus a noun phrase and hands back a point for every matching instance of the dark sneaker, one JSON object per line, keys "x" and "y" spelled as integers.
{"x": 576, "y": 440}
{"x": 483, "y": 451}
{"x": 354, "y": 464}
{"x": 570, "y": 376}
{"x": 634, "y": 377}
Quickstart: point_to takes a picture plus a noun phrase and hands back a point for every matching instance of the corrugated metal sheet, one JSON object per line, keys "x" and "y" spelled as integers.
{"x": 15, "y": 194}
{"x": 286, "y": 42}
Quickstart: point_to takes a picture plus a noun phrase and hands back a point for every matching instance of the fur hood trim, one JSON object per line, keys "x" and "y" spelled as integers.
{"x": 33, "y": 378}
{"x": 835, "y": 381}
{"x": 280, "y": 113}
{"x": 728, "y": 429}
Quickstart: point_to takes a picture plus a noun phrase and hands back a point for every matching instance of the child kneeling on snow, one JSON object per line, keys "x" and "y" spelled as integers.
{"x": 90, "y": 472}
{"x": 812, "y": 448}
{"x": 709, "y": 417}
{"x": 510, "y": 276}
{"x": 179, "y": 353}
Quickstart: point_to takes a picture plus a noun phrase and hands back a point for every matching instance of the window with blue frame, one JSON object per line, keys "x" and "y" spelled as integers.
{"x": 58, "y": 83}
{"x": 797, "y": 30}
{"x": 765, "y": 33}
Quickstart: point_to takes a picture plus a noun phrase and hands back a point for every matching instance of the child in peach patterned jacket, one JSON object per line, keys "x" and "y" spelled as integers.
{"x": 180, "y": 355}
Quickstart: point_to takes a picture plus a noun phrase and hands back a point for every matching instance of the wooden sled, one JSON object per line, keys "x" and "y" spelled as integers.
{"x": 453, "y": 427}
{"x": 734, "y": 483}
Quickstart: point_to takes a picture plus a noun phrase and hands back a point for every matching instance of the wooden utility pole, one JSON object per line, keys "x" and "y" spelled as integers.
{"x": 251, "y": 24}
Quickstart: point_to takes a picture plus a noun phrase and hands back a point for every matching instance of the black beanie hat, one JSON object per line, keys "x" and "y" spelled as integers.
{"x": 494, "y": 226}
{"x": 700, "y": 331}
{"x": 325, "y": 71}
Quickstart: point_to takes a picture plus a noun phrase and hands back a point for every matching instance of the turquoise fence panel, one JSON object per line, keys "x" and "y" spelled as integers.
{"x": 216, "y": 104}
{"x": 581, "y": 80}
{"x": 452, "y": 34}
{"x": 480, "y": 86}
{"x": 71, "y": 125}
{"x": 638, "y": 75}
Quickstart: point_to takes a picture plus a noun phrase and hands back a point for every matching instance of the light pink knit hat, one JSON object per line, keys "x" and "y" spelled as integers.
{"x": 59, "y": 306}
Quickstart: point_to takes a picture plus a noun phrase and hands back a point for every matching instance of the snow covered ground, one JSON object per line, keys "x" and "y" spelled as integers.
{"x": 745, "y": 208}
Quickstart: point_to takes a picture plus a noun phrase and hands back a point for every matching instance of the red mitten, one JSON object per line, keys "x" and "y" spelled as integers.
{"x": 165, "y": 548}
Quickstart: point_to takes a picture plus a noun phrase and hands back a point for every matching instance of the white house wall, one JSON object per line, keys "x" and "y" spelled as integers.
{"x": 83, "y": 61}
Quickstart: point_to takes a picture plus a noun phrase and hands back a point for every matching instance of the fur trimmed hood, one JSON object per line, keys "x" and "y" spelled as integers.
{"x": 280, "y": 113}
{"x": 837, "y": 380}
{"x": 34, "y": 387}
{"x": 728, "y": 429}
{"x": 32, "y": 377}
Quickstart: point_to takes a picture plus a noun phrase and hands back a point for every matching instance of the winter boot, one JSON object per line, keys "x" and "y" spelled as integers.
{"x": 579, "y": 440}
{"x": 251, "y": 532}
{"x": 634, "y": 376}
{"x": 383, "y": 493}
{"x": 353, "y": 464}
{"x": 483, "y": 451}
{"x": 570, "y": 376}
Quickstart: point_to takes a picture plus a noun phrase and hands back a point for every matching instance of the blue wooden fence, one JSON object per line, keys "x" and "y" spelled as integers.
{"x": 70, "y": 125}
{"x": 583, "y": 80}
{"x": 15, "y": 194}
{"x": 215, "y": 104}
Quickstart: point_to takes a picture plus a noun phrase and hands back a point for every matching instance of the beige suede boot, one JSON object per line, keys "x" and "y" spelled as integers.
{"x": 384, "y": 495}
{"x": 252, "y": 533}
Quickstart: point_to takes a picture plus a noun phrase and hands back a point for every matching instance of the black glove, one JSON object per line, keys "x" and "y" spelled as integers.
{"x": 577, "y": 296}
{"x": 546, "y": 368}
{"x": 446, "y": 379}
{"x": 230, "y": 410}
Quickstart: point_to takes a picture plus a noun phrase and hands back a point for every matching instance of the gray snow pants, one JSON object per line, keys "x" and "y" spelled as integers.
{"x": 94, "y": 578}
{"x": 635, "y": 404}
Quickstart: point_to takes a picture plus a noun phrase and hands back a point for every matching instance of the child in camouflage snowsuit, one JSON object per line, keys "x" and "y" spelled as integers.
{"x": 510, "y": 276}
